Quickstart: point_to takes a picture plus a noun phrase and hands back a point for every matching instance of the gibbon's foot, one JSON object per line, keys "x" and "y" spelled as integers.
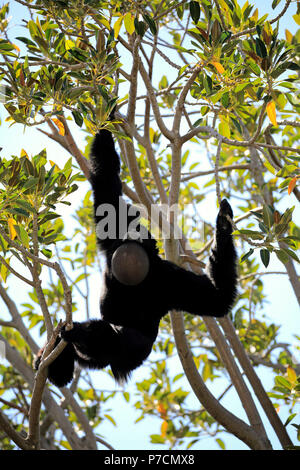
{"x": 37, "y": 359}
{"x": 223, "y": 224}
{"x": 74, "y": 334}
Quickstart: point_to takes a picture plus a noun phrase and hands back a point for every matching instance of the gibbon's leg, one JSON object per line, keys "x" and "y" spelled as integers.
{"x": 209, "y": 294}
{"x": 98, "y": 343}
{"x": 61, "y": 370}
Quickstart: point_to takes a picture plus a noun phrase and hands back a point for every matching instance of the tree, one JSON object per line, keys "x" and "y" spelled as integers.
{"x": 189, "y": 75}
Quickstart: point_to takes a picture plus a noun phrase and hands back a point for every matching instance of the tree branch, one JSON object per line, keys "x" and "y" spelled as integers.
{"x": 256, "y": 384}
{"x": 12, "y": 434}
{"x": 252, "y": 30}
{"x": 230, "y": 422}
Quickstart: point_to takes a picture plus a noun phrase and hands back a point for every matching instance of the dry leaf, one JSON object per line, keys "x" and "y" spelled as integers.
{"x": 162, "y": 410}
{"x": 59, "y": 124}
{"x": 288, "y": 36}
{"x": 164, "y": 428}
{"x": 271, "y": 112}
{"x": 218, "y": 66}
{"x": 12, "y": 231}
{"x": 292, "y": 185}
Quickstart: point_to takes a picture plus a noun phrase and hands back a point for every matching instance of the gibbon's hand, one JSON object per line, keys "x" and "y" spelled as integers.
{"x": 223, "y": 224}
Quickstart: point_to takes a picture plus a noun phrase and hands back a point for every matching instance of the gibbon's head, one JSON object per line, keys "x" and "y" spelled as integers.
{"x": 130, "y": 263}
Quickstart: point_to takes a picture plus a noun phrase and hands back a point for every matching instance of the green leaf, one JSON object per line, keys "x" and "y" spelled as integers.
{"x": 47, "y": 253}
{"x": 25, "y": 205}
{"x": 221, "y": 443}
{"x": 268, "y": 216}
{"x": 110, "y": 419}
{"x": 265, "y": 256}
{"x": 281, "y": 381}
{"x": 236, "y": 124}
{"x": 77, "y": 118}
{"x": 252, "y": 234}
{"x": 254, "y": 67}
{"x": 225, "y": 100}
{"x": 291, "y": 253}
{"x": 140, "y": 27}
{"x": 261, "y": 50}
{"x": 151, "y": 23}
{"x": 246, "y": 255}
{"x": 157, "y": 439}
{"x": 275, "y": 3}
{"x": 22, "y": 235}
{"x": 33, "y": 29}
{"x": 282, "y": 256}
{"x": 290, "y": 418}
{"x": 26, "y": 41}
{"x": 80, "y": 278}
{"x": 30, "y": 183}
{"x": 287, "y": 216}
{"x": 195, "y": 11}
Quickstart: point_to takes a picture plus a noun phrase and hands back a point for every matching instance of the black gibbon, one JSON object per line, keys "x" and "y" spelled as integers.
{"x": 139, "y": 287}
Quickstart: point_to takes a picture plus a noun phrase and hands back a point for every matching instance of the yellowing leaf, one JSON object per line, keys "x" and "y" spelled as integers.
{"x": 12, "y": 231}
{"x": 269, "y": 167}
{"x": 105, "y": 22}
{"x": 297, "y": 18}
{"x": 24, "y": 153}
{"x": 292, "y": 185}
{"x": 288, "y": 36}
{"x": 17, "y": 47}
{"x": 52, "y": 163}
{"x": 224, "y": 5}
{"x": 164, "y": 428}
{"x": 59, "y": 124}
{"x": 117, "y": 26}
{"x": 56, "y": 167}
{"x": 224, "y": 129}
{"x": 129, "y": 23}
{"x": 218, "y": 66}
{"x": 4, "y": 271}
{"x": 69, "y": 44}
{"x": 292, "y": 376}
{"x": 254, "y": 17}
{"x": 271, "y": 112}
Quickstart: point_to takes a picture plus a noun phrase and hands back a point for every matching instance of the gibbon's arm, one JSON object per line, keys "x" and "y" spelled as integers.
{"x": 107, "y": 190}
{"x": 210, "y": 294}
{"x": 113, "y": 216}
{"x": 105, "y": 163}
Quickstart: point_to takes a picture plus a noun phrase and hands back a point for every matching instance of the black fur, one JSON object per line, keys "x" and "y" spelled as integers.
{"x": 130, "y": 315}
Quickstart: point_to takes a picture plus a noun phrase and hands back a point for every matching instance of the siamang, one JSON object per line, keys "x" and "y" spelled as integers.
{"x": 139, "y": 287}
